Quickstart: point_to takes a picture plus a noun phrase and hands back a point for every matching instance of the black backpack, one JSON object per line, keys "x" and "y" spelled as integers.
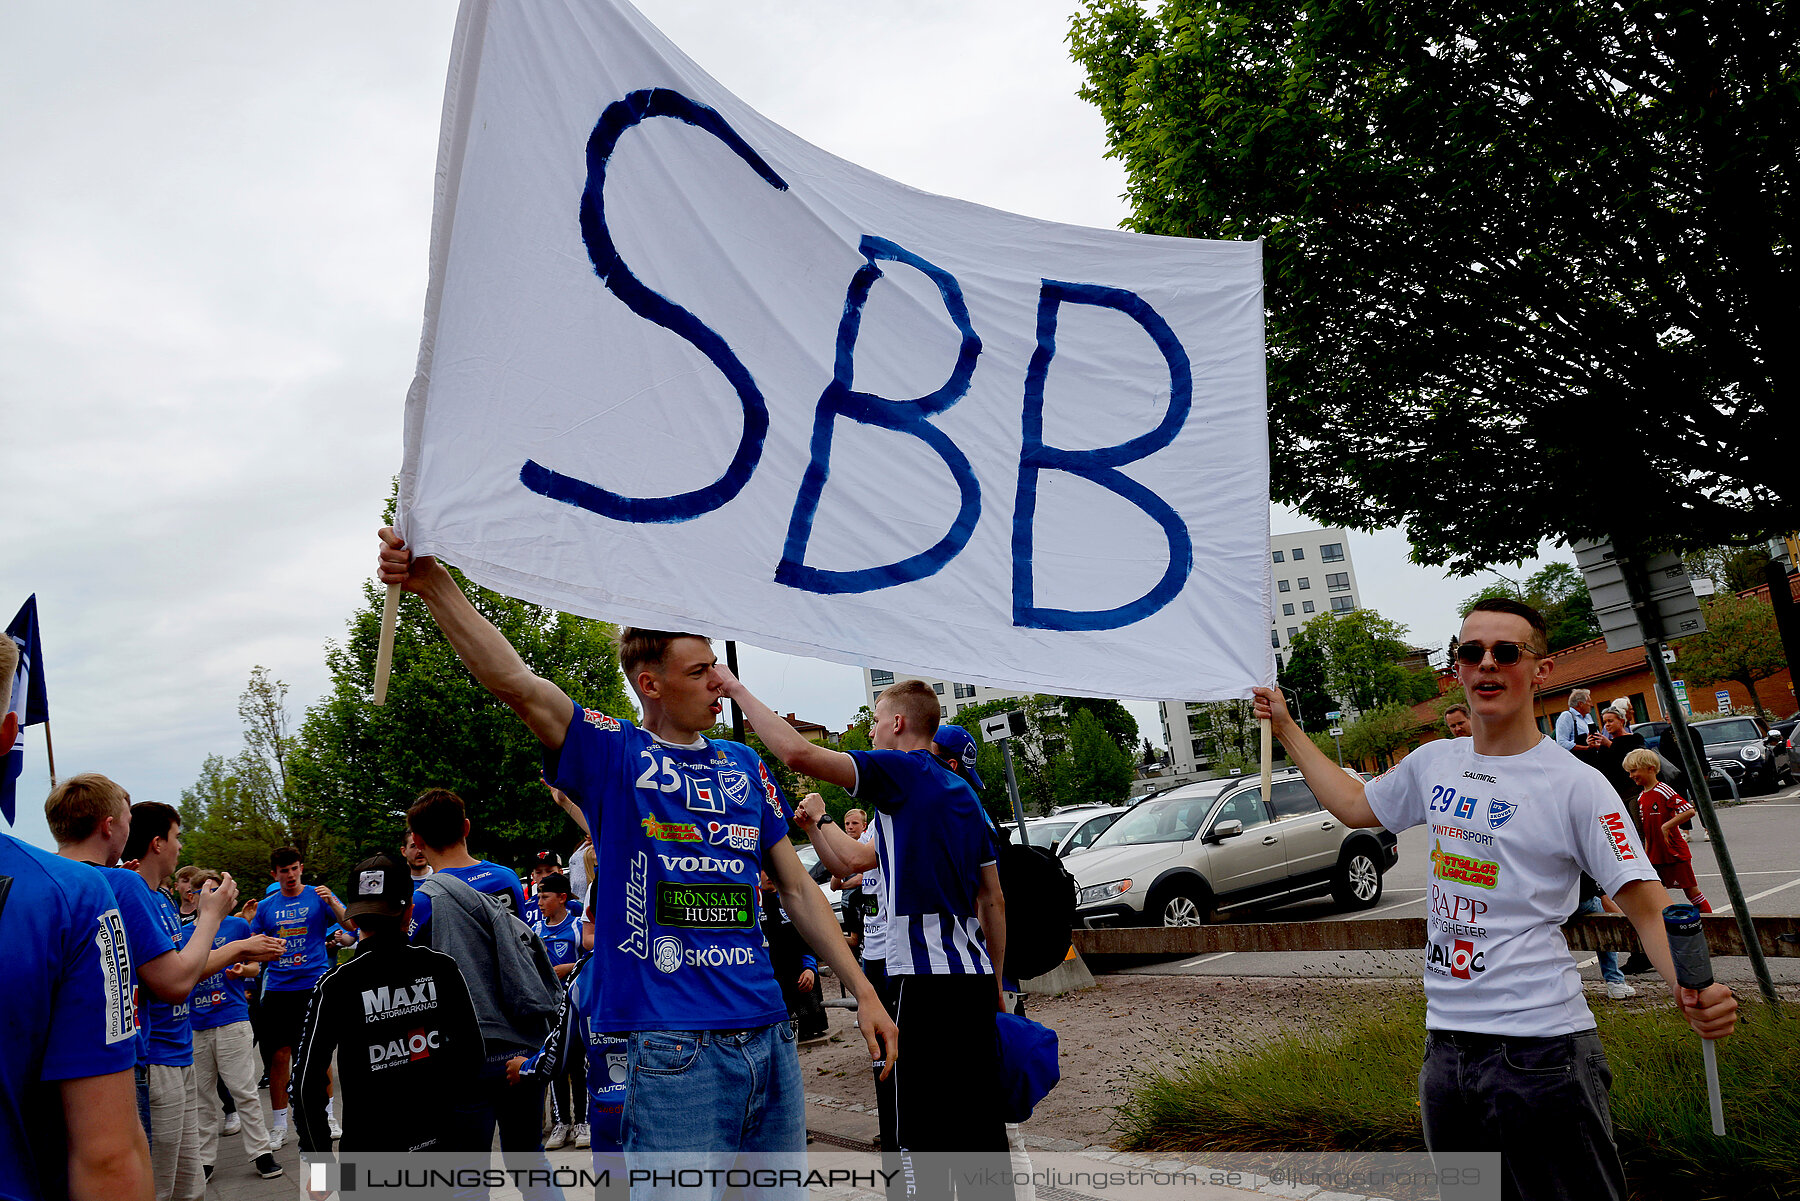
{"x": 1040, "y": 909}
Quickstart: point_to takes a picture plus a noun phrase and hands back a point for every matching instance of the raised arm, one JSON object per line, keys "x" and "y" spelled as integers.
{"x": 490, "y": 658}
{"x": 812, "y": 917}
{"x": 1340, "y": 792}
{"x": 785, "y": 743}
{"x": 841, "y": 854}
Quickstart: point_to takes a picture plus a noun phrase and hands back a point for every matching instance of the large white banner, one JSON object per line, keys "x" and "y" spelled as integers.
{"x": 683, "y": 370}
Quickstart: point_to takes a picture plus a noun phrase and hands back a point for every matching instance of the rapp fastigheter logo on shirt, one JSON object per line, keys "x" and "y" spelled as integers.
{"x": 116, "y": 978}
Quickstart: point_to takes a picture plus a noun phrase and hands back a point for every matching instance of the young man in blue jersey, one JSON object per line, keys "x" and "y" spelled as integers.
{"x": 438, "y": 825}
{"x": 67, "y": 1088}
{"x": 304, "y": 919}
{"x": 225, "y": 1051}
{"x": 946, "y": 917}
{"x": 155, "y": 846}
{"x": 681, "y": 826}
{"x": 90, "y": 818}
{"x": 560, "y": 928}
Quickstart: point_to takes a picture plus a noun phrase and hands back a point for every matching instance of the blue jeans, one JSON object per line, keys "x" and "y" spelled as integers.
{"x": 1540, "y": 1102}
{"x": 714, "y": 1098}
{"x": 1609, "y": 960}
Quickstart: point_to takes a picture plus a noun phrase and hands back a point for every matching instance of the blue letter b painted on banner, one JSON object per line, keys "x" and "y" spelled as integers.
{"x": 909, "y": 417}
{"x": 620, "y": 116}
{"x": 1100, "y": 465}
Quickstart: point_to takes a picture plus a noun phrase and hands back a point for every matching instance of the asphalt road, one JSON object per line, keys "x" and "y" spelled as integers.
{"x": 1763, "y": 836}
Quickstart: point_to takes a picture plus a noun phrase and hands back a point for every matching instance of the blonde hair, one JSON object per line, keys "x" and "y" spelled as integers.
{"x": 917, "y": 702}
{"x": 1642, "y": 757}
{"x": 76, "y": 807}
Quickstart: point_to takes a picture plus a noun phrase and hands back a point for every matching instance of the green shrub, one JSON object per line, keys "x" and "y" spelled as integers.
{"x": 1355, "y": 1088}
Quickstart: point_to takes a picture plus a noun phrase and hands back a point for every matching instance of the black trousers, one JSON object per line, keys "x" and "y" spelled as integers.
{"x": 945, "y": 1091}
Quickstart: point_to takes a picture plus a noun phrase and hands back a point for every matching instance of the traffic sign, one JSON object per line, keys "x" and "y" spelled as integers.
{"x": 1334, "y": 715}
{"x": 1724, "y": 698}
{"x": 1003, "y": 725}
{"x": 1670, "y": 593}
{"x": 1335, "y": 732}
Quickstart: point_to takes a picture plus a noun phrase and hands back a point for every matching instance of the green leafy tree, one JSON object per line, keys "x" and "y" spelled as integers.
{"x": 1362, "y": 651}
{"x": 1376, "y": 735}
{"x": 357, "y": 767}
{"x": 242, "y": 808}
{"x": 1100, "y": 770}
{"x": 1304, "y": 677}
{"x": 1741, "y": 643}
{"x": 1730, "y": 568}
{"x": 1559, "y": 593}
{"x": 1520, "y": 262}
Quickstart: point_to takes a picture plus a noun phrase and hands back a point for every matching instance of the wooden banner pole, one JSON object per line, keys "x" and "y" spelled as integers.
{"x": 384, "y": 654}
{"x": 1268, "y": 758}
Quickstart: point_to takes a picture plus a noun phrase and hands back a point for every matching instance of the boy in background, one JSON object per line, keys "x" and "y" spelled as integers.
{"x": 1661, "y": 810}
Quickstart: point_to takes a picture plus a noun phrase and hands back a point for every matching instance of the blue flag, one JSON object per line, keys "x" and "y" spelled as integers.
{"x": 29, "y": 701}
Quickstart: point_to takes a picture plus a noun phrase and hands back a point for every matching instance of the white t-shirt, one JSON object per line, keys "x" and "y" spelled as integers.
{"x": 875, "y": 923}
{"x": 1510, "y": 837}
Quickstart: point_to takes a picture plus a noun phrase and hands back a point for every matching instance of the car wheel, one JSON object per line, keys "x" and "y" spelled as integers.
{"x": 1357, "y": 882}
{"x": 1184, "y": 905}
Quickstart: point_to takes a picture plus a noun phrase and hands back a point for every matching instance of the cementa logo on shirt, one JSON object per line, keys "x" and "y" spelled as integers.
{"x": 1463, "y": 869}
{"x": 398, "y": 1000}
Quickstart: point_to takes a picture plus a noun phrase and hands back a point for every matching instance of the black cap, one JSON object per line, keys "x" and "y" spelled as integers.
{"x": 546, "y": 858}
{"x": 380, "y": 885}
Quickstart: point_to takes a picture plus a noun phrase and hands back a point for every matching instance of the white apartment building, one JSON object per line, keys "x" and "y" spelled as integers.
{"x": 955, "y": 696}
{"x": 1313, "y": 574}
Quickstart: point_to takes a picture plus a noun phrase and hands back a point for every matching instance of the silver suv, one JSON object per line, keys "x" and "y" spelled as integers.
{"x": 1178, "y": 859}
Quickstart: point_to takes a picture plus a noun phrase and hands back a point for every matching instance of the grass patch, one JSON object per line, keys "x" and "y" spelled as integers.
{"x": 1355, "y": 1089}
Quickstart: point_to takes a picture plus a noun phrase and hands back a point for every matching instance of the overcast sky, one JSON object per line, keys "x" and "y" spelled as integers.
{"x": 213, "y": 228}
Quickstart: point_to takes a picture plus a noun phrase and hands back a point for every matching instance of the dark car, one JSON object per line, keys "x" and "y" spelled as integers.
{"x": 1745, "y": 748}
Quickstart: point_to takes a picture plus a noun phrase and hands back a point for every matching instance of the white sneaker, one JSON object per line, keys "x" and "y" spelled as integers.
{"x": 1619, "y": 992}
{"x": 233, "y": 1123}
{"x": 582, "y": 1137}
{"x": 333, "y": 1125}
{"x": 277, "y": 1136}
{"x": 558, "y": 1137}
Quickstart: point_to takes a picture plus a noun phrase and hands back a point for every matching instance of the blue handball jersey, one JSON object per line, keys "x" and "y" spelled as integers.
{"x": 147, "y": 937}
{"x": 482, "y": 876}
{"x": 65, "y": 1010}
{"x": 679, "y": 834}
{"x": 222, "y": 998}
{"x": 171, "y": 1038}
{"x": 561, "y": 939}
{"x": 932, "y": 842}
{"x": 304, "y": 922}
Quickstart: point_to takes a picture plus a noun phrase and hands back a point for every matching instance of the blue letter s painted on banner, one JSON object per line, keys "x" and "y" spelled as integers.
{"x": 1099, "y": 465}
{"x": 620, "y": 116}
{"x": 908, "y": 417}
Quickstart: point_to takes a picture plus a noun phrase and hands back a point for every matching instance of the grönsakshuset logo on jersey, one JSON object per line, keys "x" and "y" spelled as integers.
{"x": 637, "y": 892}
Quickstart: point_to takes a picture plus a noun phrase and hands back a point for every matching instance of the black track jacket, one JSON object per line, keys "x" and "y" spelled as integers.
{"x": 408, "y": 1046}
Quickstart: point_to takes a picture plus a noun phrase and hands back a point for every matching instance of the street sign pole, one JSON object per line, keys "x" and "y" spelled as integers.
{"x": 1699, "y": 791}
{"x": 1012, "y": 790}
{"x": 1000, "y": 728}
{"x": 1337, "y": 737}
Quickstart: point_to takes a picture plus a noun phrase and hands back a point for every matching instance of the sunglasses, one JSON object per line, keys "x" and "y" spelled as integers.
{"x": 1505, "y": 653}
